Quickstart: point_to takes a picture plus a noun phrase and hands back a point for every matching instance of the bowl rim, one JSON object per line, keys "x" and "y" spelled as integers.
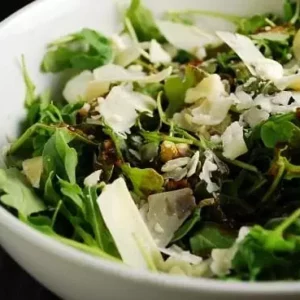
{"x": 72, "y": 255}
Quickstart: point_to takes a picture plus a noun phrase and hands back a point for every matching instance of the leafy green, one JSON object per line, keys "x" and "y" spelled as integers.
{"x": 249, "y": 26}
{"x": 72, "y": 192}
{"x": 144, "y": 181}
{"x": 143, "y": 22}
{"x": 17, "y": 193}
{"x": 273, "y": 133}
{"x": 288, "y": 10}
{"x": 269, "y": 254}
{"x": 86, "y": 50}
{"x": 46, "y": 229}
{"x": 176, "y": 87}
{"x": 185, "y": 229}
{"x": 209, "y": 237}
{"x": 59, "y": 157}
{"x": 291, "y": 11}
{"x": 30, "y": 87}
{"x": 93, "y": 217}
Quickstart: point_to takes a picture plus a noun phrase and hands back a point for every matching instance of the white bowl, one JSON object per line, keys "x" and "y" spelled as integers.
{"x": 66, "y": 271}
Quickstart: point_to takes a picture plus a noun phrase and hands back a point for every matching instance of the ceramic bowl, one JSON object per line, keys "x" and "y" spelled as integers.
{"x": 67, "y": 272}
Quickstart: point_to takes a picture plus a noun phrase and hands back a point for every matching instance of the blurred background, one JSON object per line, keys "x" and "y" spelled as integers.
{"x": 15, "y": 284}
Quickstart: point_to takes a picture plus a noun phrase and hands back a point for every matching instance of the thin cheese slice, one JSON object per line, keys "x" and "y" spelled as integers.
{"x": 131, "y": 235}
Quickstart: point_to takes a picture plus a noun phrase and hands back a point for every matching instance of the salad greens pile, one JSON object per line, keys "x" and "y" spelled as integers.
{"x": 173, "y": 148}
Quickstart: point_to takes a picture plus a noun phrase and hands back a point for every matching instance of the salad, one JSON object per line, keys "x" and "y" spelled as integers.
{"x": 173, "y": 147}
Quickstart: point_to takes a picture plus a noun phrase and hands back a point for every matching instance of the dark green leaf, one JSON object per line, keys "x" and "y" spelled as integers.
{"x": 186, "y": 228}
{"x": 273, "y": 133}
{"x": 209, "y": 237}
{"x": 72, "y": 192}
{"x": 145, "y": 181}
{"x": 18, "y": 193}
{"x": 249, "y": 26}
{"x": 44, "y": 228}
{"x": 30, "y": 87}
{"x": 143, "y": 22}
{"x": 87, "y": 51}
{"x": 93, "y": 217}
{"x": 176, "y": 87}
{"x": 59, "y": 157}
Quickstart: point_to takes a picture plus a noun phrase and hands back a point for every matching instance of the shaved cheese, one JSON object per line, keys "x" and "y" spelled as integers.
{"x": 127, "y": 56}
{"x": 158, "y": 54}
{"x": 268, "y": 69}
{"x": 215, "y": 104}
{"x": 76, "y": 88}
{"x": 242, "y": 46}
{"x": 33, "y": 169}
{"x": 123, "y": 220}
{"x": 209, "y": 167}
{"x": 114, "y": 73}
{"x": 255, "y": 61}
{"x": 245, "y": 100}
{"x": 173, "y": 164}
{"x": 211, "y": 111}
{"x": 222, "y": 258}
{"x": 178, "y": 253}
{"x": 92, "y": 179}
{"x": 120, "y": 109}
{"x": 255, "y": 116}
{"x": 210, "y": 87}
{"x": 185, "y": 37}
{"x": 233, "y": 141}
{"x": 292, "y": 82}
{"x": 169, "y": 210}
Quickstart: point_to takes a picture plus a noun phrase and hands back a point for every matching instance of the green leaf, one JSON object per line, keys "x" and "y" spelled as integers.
{"x": 86, "y": 50}
{"x": 50, "y": 194}
{"x": 249, "y": 26}
{"x": 176, "y": 87}
{"x": 210, "y": 237}
{"x": 18, "y": 193}
{"x": 187, "y": 227}
{"x": 273, "y": 133}
{"x": 143, "y": 22}
{"x": 145, "y": 181}
{"x": 45, "y": 228}
{"x": 59, "y": 157}
{"x": 73, "y": 192}
{"x": 288, "y": 10}
{"x": 270, "y": 254}
{"x": 30, "y": 87}
{"x": 93, "y": 217}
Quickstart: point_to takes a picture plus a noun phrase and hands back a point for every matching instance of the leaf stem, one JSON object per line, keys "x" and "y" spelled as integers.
{"x": 276, "y": 181}
{"x": 288, "y": 222}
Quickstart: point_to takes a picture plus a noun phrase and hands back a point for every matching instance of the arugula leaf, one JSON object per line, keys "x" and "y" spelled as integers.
{"x": 87, "y": 50}
{"x": 291, "y": 11}
{"x": 72, "y": 192}
{"x": 145, "y": 181}
{"x": 269, "y": 254}
{"x": 30, "y": 87}
{"x": 44, "y": 227}
{"x": 59, "y": 157}
{"x": 186, "y": 228}
{"x": 94, "y": 218}
{"x": 249, "y": 26}
{"x": 176, "y": 87}
{"x": 209, "y": 237}
{"x": 273, "y": 133}
{"x": 18, "y": 193}
{"x": 288, "y": 10}
{"x": 143, "y": 22}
